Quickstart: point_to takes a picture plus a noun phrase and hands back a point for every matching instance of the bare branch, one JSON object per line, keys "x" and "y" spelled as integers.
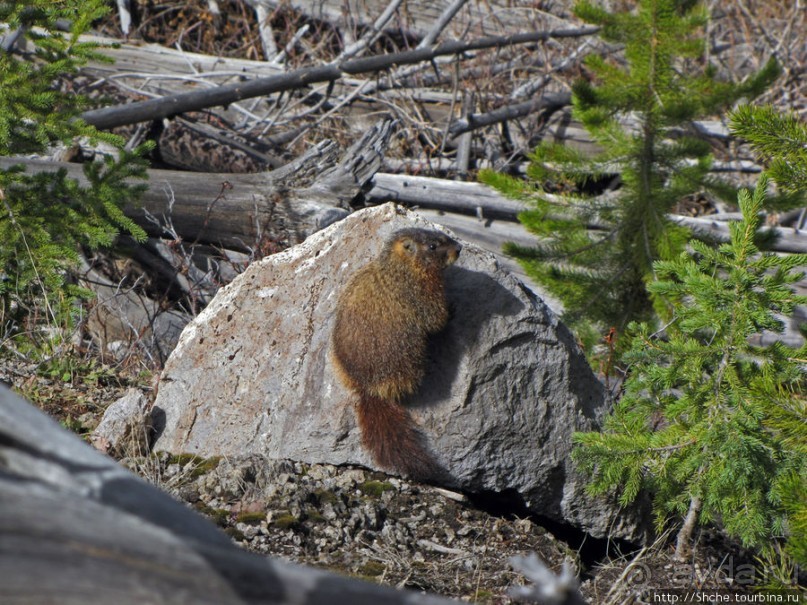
{"x": 223, "y": 95}
{"x": 550, "y": 102}
{"x": 265, "y": 30}
{"x": 530, "y": 88}
{"x": 465, "y": 140}
{"x": 292, "y": 43}
{"x": 441, "y": 23}
{"x": 125, "y": 15}
{"x": 371, "y": 34}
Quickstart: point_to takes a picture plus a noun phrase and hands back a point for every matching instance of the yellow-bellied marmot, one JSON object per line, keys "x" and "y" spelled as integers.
{"x": 383, "y": 319}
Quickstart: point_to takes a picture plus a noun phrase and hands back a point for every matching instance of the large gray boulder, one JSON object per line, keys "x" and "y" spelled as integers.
{"x": 505, "y": 389}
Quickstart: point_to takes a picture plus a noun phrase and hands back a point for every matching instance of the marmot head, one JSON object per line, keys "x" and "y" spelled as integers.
{"x": 423, "y": 249}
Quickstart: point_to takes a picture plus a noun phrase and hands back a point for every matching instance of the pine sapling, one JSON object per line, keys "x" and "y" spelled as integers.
{"x": 696, "y": 423}
{"x": 596, "y": 249}
{"x": 46, "y": 217}
{"x": 780, "y": 140}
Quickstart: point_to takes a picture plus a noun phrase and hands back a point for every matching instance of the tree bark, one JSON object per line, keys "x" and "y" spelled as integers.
{"x": 683, "y": 543}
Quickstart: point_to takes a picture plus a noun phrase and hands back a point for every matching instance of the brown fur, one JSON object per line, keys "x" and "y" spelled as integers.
{"x": 383, "y": 320}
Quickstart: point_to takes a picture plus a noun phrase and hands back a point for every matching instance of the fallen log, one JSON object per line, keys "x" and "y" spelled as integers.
{"x": 420, "y": 17}
{"x": 787, "y": 239}
{"x": 484, "y": 202}
{"x": 79, "y": 529}
{"x": 243, "y": 211}
{"x": 303, "y": 197}
{"x": 444, "y": 195}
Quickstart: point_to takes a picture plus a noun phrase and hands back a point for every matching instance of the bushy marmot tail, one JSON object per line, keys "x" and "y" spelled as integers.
{"x": 391, "y": 436}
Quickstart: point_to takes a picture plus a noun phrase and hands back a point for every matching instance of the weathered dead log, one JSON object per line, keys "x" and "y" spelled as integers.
{"x": 77, "y": 528}
{"x": 217, "y": 208}
{"x": 787, "y": 240}
{"x": 237, "y": 211}
{"x": 436, "y": 166}
{"x": 243, "y": 212}
{"x": 477, "y": 199}
{"x": 420, "y": 15}
{"x": 110, "y": 117}
{"x": 443, "y": 195}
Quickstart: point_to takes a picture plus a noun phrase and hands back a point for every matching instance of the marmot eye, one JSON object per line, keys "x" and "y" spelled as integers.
{"x": 432, "y": 246}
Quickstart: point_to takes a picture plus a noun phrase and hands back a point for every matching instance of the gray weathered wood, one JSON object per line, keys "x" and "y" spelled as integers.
{"x": 234, "y": 211}
{"x": 788, "y": 240}
{"x": 441, "y": 22}
{"x": 171, "y": 68}
{"x": 77, "y": 528}
{"x": 421, "y": 15}
{"x": 442, "y": 194}
{"x": 240, "y": 211}
{"x": 318, "y": 196}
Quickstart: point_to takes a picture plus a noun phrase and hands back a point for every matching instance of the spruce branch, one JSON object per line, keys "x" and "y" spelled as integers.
{"x": 700, "y": 383}
{"x": 779, "y": 139}
{"x": 48, "y": 215}
{"x": 656, "y": 167}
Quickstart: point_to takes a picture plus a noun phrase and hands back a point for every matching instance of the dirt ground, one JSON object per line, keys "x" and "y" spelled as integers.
{"x": 383, "y": 529}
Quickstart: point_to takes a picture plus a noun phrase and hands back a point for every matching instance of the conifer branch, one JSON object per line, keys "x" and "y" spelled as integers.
{"x": 659, "y": 100}
{"x": 39, "y": 243}
{"x": 704, "y": 384}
